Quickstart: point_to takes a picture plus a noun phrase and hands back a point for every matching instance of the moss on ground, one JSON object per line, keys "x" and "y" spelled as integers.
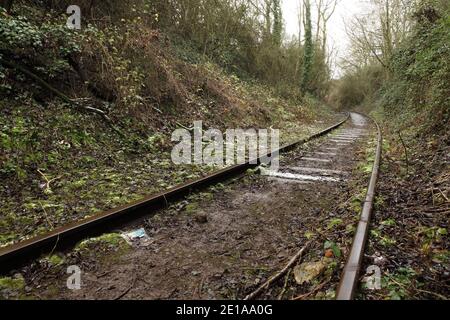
{"x": 12, "y": 288}
{"x": 12, "y": 283}
{"x": 109, "y": 240}
{"x": 56, "y": 260}
{"x": 60, "y": 164}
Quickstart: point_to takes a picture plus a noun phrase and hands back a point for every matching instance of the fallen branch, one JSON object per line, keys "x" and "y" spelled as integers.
{"x": 278, "y": 275}
{"x": 445, "y": 197}
{"x": 52, "y": 227}
{"x": 318, "y": 288}
{"x": 124, "y": 293}
{"x": 286, "y": 280}
{"x": 440, "y": 296}
{"x": 184, "y": 127}
{"x": 61, "y": 95}
{"x": 47, "y": 181}
{"x": 155, "y": 108}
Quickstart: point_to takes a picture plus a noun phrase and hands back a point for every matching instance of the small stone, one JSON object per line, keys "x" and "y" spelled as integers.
{"x": 380, "y": 261}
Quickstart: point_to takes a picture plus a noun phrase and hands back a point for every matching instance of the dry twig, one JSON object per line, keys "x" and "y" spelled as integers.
{"x": 48, "y": 181}
{"x": 278, "y": 275}
{"x": 318, "y": 288}
{"x": 286, "y": 280}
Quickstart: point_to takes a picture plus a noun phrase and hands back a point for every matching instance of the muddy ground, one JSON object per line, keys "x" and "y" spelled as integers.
{"x": 225, "y": 242}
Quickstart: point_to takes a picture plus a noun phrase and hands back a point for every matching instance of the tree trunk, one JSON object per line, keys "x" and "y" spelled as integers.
{"x": 300, "y": 21}
{"x": 309, "y": 48}
{"x": 319, "y": 18}
{"x": 277, "y": 23}
{"x": 268, "y": 19}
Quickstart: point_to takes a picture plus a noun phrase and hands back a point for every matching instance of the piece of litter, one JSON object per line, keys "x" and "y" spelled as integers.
{"x": 134, "y": 235}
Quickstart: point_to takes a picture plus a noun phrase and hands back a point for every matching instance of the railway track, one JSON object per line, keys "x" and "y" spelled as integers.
{"x": 66, "y": 236}
{"x": 349, "y": 279}
{"x": 313, "y": 167}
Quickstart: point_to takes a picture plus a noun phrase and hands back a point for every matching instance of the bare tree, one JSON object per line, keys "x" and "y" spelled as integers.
{"x": 375, "y": 35}
{"x": 277, "y": 22}
{"x": 329, "y": 8}
{"x": 308, "y": 56}
{"x": 300, "y": 20}
{"x": 319, "y": 4}
{"x": 268, "y": 17}
{"x": 325, "y": 10}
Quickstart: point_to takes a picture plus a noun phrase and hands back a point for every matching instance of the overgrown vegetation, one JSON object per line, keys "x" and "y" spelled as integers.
{"x": 86, "y": 115}
{"x": 400, "y": 72}
{"x": 409, "y": 81}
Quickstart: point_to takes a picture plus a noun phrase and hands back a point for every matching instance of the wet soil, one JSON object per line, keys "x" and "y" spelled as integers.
{"x": 224, "y": 243}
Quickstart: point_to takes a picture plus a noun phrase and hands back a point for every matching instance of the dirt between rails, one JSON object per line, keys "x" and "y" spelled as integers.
{"x": 225, "y": 242}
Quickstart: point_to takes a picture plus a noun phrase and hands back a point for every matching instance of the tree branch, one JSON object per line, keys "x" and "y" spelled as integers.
{"x": 278, "y": 275}
{"x": 59, "y": 94}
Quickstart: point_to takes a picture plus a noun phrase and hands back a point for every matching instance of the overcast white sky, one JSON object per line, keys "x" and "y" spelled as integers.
{"x": 336, "y": 28}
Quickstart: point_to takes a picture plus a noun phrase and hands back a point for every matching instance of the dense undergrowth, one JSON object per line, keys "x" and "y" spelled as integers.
{"x": 411, "y": 100}
{"x": 411, "y": 93}
{"x": 86, "y": 116}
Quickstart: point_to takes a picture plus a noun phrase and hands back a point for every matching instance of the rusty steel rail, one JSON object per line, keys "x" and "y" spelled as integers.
{"x": 349, "y": 279}
{"x": 19, "y": 253}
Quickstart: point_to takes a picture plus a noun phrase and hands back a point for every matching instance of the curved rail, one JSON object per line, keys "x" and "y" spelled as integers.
{"x": 349, "y": 279}
{"x": 62, "y": 237}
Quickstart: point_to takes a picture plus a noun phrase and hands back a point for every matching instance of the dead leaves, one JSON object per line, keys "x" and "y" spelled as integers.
{"x": 308, "y": 271}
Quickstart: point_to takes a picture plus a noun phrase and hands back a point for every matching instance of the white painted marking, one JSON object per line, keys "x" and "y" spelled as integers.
{"x": 332, "y": 154}
{"x": 315, "y": 159}
{"x": 289, "y": 180}
{"x": 347, "y": 135}
{"x": 317, "y": 170}
{"x": 292, "y": 176}
{"x": 340, "y": 141}
{"x": 344, "y": 139}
